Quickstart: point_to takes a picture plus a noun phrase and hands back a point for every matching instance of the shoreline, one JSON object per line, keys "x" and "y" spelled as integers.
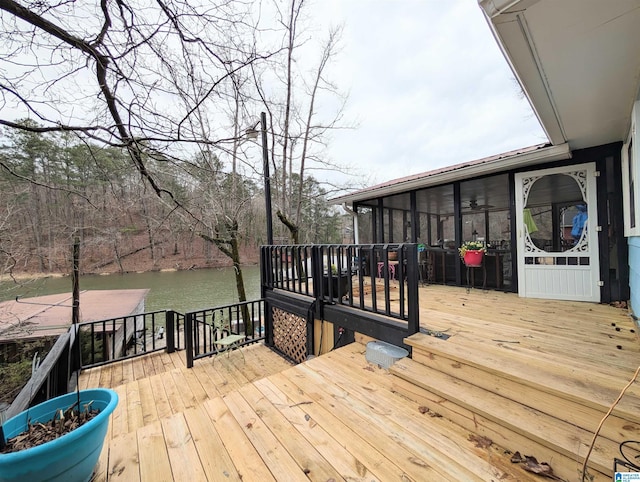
{"x": 6, "y": 278}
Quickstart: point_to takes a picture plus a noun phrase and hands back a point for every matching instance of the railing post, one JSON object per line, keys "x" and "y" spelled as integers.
{"x": 170, "y": 323}
{"x": 188, "y": 338}
{"x": 412, "y": 289}
{"x": 316, "y": 271}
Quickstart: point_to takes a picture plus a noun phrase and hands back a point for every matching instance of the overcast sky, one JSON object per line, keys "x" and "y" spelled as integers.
{"x": 428, "y": 86}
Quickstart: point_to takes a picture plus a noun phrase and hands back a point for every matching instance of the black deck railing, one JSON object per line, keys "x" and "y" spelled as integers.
{"x": 207, "y": 327}
{"x": 100, "y": 342}
{"x": 377, "y": 278}
{"x": 106, "y": 341}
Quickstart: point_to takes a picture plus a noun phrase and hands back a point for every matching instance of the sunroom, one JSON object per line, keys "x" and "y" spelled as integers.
{"x": 550, "y": 219}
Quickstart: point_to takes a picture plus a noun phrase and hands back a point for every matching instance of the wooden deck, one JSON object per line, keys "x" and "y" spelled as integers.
{"x": 337, "y": 417}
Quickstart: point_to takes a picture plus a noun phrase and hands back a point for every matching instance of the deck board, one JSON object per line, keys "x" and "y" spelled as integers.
{"x": 207, "y": 441}
{"x": 330, "y": 448}
{"x": 154, "y": 460}
{"x": 247, "y": 460}
{"x": 183, "y": 456}
{"x": 312, "y": 463}
{"x": 257, "y": 418}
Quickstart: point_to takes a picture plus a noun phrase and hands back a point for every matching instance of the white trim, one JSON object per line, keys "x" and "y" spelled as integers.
{"x": 493, "y": 8}
{"x": 550, "y": 281}
{"x": 512, "y": 35}
{"x": 634, "y": 140}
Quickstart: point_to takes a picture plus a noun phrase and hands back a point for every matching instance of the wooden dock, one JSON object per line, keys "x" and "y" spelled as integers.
{"x": 515, "y": 375}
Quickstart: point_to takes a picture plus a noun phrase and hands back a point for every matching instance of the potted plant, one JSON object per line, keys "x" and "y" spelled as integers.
{"x": 472, "y": 252}
{"x": 71, "y": 456}
{"x": 340, "y": 285}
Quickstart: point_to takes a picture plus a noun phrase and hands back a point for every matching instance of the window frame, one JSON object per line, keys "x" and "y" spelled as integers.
{"x": 631, "y": 176}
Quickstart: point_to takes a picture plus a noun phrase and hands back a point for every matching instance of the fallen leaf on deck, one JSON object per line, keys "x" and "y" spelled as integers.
{"x": 481, "y": 442}
{"x": 517, "y": 458}
{"x": 539, "y": 468}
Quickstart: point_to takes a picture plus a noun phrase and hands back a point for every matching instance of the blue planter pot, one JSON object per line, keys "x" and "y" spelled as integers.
{"x": 71, "y": 457}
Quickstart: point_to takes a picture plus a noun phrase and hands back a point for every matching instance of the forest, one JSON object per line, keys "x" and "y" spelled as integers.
{"x": 59, "y": 188}
{"x": 127, "y": 128}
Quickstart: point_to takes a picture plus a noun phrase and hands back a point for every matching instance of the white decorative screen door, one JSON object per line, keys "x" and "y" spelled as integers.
{"x": 557, "y": 233}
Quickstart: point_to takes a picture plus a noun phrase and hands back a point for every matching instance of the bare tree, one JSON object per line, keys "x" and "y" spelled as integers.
{"x": 297, "y": 128}
{"x": 108, "y": 71}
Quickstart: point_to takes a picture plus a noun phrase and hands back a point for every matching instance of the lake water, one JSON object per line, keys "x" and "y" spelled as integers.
{"x": 181, "y": 291}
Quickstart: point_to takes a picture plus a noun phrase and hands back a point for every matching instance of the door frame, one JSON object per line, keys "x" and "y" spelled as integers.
{"x": 551, "y": 274}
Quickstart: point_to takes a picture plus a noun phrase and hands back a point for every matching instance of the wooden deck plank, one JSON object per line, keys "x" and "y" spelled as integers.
{"x": 534, "y": 397}
{"x": 514, "y": 426}
{"x": 138, "y": 367}
{"x": 421, "y": 462}
{"x": 603, "y": 355}
{"x": 135, "y": 417}
{"x": 147, "y": 401}
{"x": 127, "y": 371}
{"x": 195, "y": 386}
{"x": 119, "y": 422}
{"x": 219, "y": 382}
{"x": 154, "y": 459}
{"x": 90, "y": 378}
{"x": 342, "y": 460}
{"x": 313, "y": 464}
{"x": 375, "y": 387}
{"x": 105, "y": 375}
{"x": 278, "y": 459}
{"x": 582, "y": 386}
{"x": 227, "y": 368}
{"x": 102, "y": 467}
{"x": 248, "y": 462}
{"x": 183, "y": 456}
{"x": 178, "y": 358}
{"x": 158, "y": 364}
{"x": 209, "y": 386}
{"x": 123, "y": 458}
{"x": 222, "y": 372}
{"x": 116, "y": 374}
{"x": 183, "y": 388}
{"x": 172, "y": 391}
{"x": 149, "y": 367}
{"x": 359, "y": 445}
{"x": 216, "y": 462}
{"x": 160, "y": 400}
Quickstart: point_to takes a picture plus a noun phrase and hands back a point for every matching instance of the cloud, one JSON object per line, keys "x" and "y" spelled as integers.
{"x": 428, "y": 86}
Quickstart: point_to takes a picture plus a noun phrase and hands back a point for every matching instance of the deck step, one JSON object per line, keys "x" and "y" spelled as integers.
{"x": 583, "y": 386}
{"x": 501, "y": 398}
{"x": 359, "y": 388}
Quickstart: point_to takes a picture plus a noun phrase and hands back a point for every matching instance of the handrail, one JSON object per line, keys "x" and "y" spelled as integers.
{"x": 49, "y": 380}
{"x": 360, "y": 276}
{"x": 101, "y": 342}
{"x": 113, "y": 339}
{"x": 246, "y": 318}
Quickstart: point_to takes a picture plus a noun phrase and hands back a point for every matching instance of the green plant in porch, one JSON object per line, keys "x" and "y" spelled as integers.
{"x": 471, "y": 246}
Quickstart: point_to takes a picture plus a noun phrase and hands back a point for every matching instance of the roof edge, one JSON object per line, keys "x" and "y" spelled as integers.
{"x": 467, "y": 170}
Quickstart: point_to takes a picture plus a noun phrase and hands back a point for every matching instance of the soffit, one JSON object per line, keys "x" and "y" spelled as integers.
{"x": 578, "y": 62}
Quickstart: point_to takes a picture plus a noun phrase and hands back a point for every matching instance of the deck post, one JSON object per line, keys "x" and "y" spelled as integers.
{"x": 412, "y": 289}
{"x": 317, "y": 270}
{"x": 170, "y": 317}
{"x": 188, "y": 338}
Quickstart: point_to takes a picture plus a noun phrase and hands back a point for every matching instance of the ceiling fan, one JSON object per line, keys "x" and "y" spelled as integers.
{"x": 474, "y": 206}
